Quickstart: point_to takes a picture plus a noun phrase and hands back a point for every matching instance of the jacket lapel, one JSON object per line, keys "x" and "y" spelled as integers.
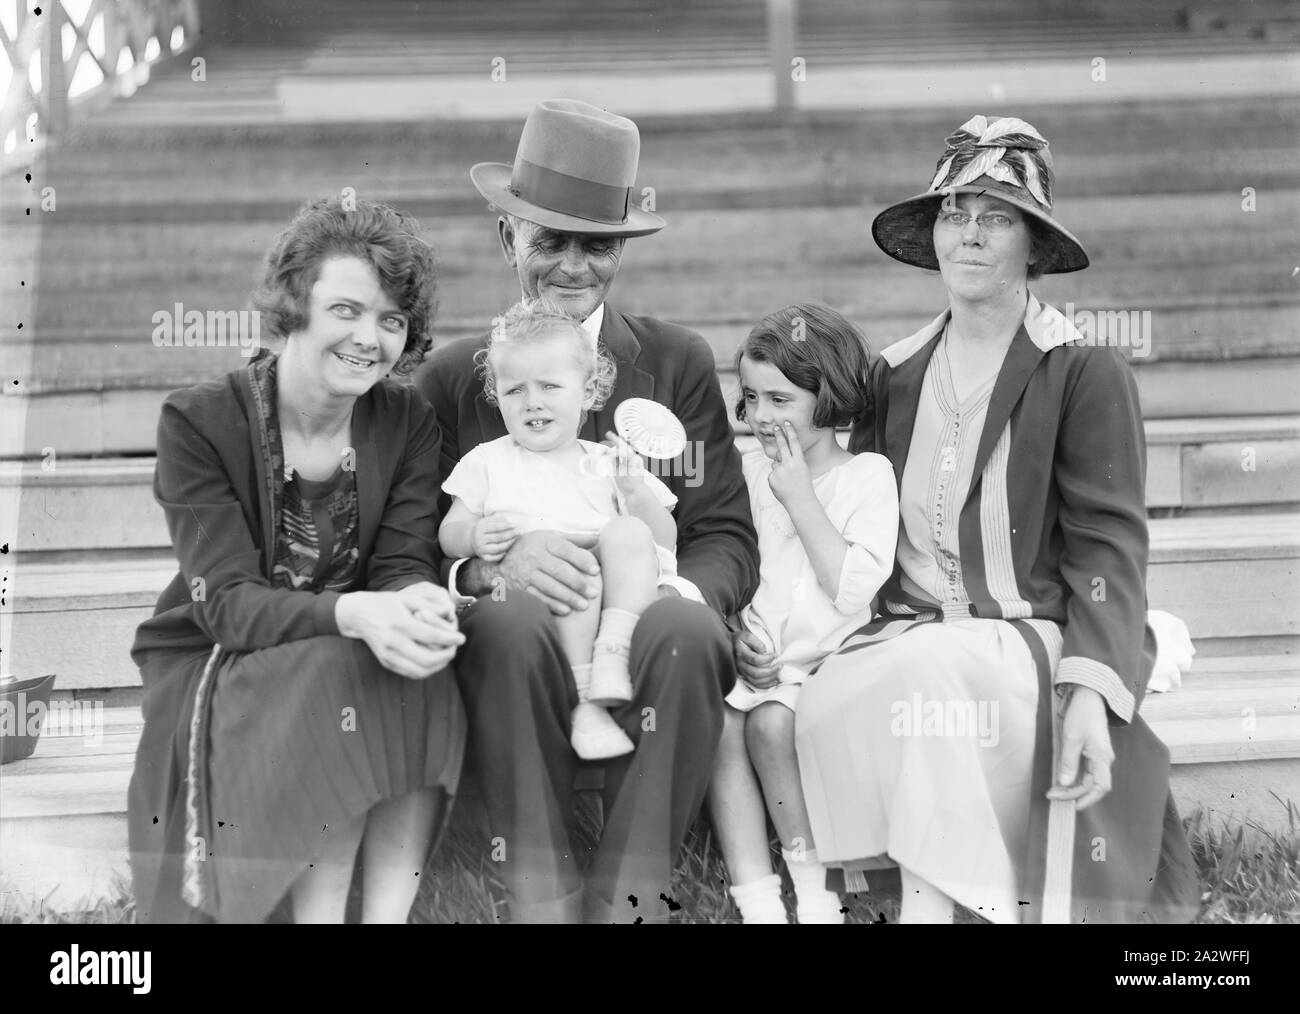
{"x": 619, "y": 341}
{"x": 261, "y": 473}
{"x": 907, "y": 361}
{"x": 1043, "y": 329}
{"x": 369, "y": 484}
{"x": 1021, "y": 360}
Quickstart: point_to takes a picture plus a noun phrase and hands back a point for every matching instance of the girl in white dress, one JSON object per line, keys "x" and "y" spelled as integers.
{"x": 827, "y": 524}
{"x": 545, "y": 374}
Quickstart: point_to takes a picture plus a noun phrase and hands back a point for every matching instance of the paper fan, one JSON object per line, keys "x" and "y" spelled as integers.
{"x": 650, "y": 428}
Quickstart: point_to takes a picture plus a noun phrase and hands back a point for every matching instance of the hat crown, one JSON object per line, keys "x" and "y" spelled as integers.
{"x": 580, "y": 140}
{"x": 574, "y": 171}
{"x": 1002, "y": 148}
{"x": 1000, "y": 156}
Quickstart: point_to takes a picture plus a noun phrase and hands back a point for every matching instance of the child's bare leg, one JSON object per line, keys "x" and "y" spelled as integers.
{"x": 736, "y": 804}
{"x": 769, "y": 734}
{"x": 629, "y": 567}
{"x": 594, "y": 733}
{"x": 577, "y": 630}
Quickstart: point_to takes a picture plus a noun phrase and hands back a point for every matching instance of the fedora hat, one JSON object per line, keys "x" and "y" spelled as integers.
{"x": 1001, "y": 156}
{"x": 573, "y": 172}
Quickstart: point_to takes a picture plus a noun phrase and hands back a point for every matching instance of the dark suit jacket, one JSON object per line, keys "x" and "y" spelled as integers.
{"x": 716, "y": 545}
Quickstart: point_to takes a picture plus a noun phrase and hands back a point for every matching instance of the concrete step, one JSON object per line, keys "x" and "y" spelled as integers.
{"x": 1234, "y": 579}
{"x": 1235, "y": 302}
{"x": 113, "y": 356}
{"x": 118, "y": 414}
{"x": 69, "y": 504}
{"x": 1233, "y": 730}
{"x": 1193, "y": 464}
{"x": 192, "y": 173}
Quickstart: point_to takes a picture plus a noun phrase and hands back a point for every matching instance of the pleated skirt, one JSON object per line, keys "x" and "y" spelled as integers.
{"x": 920, "y": 748}
{"x": 282, "y": 747}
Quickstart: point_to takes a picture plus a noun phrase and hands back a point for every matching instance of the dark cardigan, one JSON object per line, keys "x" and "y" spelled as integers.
{"x": 211, "y": 482}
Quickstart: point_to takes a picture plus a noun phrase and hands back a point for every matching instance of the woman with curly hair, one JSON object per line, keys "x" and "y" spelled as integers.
{"x": 299, "y": 712}
{"x": 545, "y": 375}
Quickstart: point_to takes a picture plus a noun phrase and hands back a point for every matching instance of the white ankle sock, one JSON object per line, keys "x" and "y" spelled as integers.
{"x": 759, "y": 901}
{"x": 814, "y": 903}
{"x": 615, "y": 630}
{"x": 611, "y": 674}
{"x": 582, "y": 680}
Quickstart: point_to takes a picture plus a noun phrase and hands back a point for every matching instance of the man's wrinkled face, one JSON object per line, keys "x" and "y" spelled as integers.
{"x": 572, "y": 270}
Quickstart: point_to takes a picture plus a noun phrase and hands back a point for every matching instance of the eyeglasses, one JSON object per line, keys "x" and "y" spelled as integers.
{"x": 994, "y": 222}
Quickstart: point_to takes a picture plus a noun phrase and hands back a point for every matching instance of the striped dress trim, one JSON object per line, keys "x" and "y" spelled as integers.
{"x": 995, "y": 534}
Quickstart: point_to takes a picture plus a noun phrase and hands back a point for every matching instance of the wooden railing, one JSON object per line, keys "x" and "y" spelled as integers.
{"x": 75, "y": 51}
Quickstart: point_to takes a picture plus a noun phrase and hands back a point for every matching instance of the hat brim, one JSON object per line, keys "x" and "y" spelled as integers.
{"x": 905, "y": 231}
{"x": 492, "y": 180}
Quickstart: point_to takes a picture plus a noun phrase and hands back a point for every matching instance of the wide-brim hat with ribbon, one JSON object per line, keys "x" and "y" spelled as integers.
{"x": 574, "y": 171}
{"x": 1001, "y": 156}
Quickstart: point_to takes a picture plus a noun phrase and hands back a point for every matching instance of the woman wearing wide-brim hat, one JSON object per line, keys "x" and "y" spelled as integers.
{"x": 1018, "y": 600}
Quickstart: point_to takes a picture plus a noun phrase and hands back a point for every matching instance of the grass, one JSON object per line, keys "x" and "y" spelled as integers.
{"x": 1248, "y": 875}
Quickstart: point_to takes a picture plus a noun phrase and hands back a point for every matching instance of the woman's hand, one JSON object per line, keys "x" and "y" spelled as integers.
{"x": 1085, "y": 733}
{"x": 755, "y": 664}
{"x": 790, "y": 479}
{"x": 412, "y": 632}
{"x": 493, "y": 535}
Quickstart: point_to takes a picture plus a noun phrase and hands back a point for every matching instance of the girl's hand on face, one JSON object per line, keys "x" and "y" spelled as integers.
{"x": 493, "y": 536}
{"x": 754, "y": 663}
{"x": 629, "y": 469}
{"x": 789, "y": 479}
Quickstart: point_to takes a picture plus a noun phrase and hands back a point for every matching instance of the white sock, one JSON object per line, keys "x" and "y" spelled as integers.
{"x": 814, "y": 904}
{"x": 582, "y": 680}
{"x": 615, "y": 630}
{"x": 611, "y": 676}
{"x": 759, "y": 901}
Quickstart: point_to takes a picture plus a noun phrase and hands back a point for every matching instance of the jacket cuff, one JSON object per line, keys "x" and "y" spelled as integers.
{"x": 323, "y": 612}
{"x": 1088, "y": 672}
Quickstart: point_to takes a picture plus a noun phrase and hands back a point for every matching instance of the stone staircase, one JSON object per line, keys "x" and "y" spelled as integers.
{"x": 763, "y": 210}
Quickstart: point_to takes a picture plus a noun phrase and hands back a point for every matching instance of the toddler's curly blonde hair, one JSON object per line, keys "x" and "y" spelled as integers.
{"x": 531, "y": 319}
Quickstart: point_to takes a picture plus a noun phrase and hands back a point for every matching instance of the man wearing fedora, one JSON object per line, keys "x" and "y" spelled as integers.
{"x": 566, "y": 213}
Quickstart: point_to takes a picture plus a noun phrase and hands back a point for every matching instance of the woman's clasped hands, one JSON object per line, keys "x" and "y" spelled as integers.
{"x": 412, "y": 631}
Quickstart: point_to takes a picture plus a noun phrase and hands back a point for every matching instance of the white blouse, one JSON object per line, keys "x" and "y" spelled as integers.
{"x": 791, "y": 611}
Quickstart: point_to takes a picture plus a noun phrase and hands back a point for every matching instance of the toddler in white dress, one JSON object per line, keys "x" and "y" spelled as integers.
{"x": 545, "y": 374}
{"x": 827, "y": 524}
